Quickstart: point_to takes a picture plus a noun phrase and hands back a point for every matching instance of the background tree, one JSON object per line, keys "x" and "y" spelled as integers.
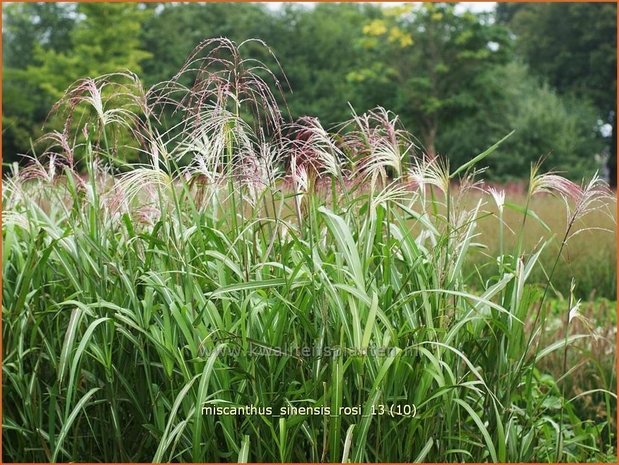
{"x": 560, "y": 130}
{"x": 31, "y": 25}
{"x": 64, "y": 44}
{"x": 174, "y": 29}
{"x": 437, "y": 59}
{"x": 317, "y": 49}
{"x": 572, "y": 46}
{"x": 96, "y": 48}
{"x": 28, "y": 27}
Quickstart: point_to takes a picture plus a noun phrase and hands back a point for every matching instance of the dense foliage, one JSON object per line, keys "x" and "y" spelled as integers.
{"x": 251, "y": 260}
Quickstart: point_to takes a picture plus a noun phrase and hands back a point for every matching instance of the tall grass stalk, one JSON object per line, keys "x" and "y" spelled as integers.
{"x": 258, "y": 262}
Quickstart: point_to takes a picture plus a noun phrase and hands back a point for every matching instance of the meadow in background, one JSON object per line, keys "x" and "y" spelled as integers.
{"x": 165, "y": 232}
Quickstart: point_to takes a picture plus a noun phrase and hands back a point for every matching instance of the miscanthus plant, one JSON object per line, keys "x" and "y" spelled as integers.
{"x": 247, "y": 261}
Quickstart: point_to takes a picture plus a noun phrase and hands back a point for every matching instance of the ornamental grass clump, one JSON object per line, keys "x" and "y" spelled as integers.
{"x": 188, "y": 246}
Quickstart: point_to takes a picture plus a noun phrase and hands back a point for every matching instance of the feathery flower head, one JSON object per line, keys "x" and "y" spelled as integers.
{"x": 312, "y": 148}
{"x": 378, "y": 144}
{"x": 498, "y": 197}
{"x": 430, "y": 171}
{"x": 553, "y": 183}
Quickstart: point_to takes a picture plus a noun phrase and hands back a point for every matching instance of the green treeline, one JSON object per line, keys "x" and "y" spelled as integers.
{"x": 459, "y": 80}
